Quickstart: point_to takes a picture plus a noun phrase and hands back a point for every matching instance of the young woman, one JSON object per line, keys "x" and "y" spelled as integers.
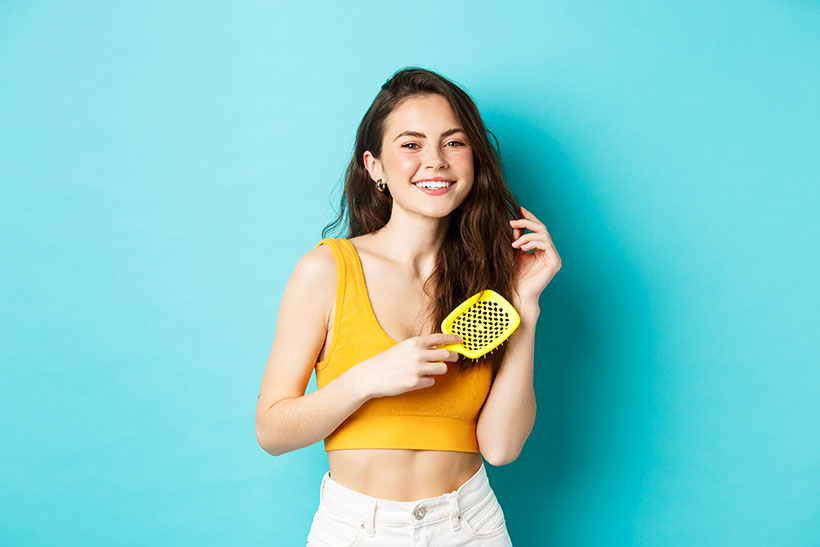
{"x": 405, "y": 421}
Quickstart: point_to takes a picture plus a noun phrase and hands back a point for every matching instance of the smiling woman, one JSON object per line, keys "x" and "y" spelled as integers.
{"x": 436, "y": 140}
{"x": 405, "y": 421}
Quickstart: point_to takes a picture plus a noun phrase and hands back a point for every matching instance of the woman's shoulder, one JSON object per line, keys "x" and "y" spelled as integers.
{"x": 317, "y": 266}
{"x": 312, "y": 285}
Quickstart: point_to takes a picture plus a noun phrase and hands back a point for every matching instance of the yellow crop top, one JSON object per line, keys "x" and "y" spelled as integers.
{"x": 440, "y": 417}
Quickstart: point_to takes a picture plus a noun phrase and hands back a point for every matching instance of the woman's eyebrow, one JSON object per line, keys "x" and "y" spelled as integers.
{"x": 423, "y": 136}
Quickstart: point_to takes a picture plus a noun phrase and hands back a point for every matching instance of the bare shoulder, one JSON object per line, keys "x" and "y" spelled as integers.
{"x": 301, "y": 326}
{"x": 318, "y": 265}
{"x": 314, "y": 278}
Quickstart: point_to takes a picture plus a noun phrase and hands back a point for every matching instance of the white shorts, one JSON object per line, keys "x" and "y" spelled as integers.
{"x": 468, "y": 516}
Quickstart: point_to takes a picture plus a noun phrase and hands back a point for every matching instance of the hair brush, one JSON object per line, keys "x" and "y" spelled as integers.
{"x": 484, "y": 321}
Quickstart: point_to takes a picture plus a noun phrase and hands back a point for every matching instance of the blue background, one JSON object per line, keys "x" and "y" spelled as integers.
{"x": 164, "y": 165}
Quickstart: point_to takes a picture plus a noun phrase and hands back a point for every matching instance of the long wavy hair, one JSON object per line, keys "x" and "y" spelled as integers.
{"x": 477, "y": 253}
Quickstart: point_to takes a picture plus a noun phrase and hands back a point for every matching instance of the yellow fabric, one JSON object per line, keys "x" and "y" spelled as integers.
{"x": 440, "y": 417}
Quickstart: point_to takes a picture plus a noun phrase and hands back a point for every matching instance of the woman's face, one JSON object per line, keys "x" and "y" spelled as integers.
{"x": 423, "y": 140}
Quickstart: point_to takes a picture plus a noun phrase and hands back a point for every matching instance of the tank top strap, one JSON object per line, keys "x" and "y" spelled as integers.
{"x": 341, "y": 263}
{"x": 353, "y": 296}
{"x": 351, "y": 318}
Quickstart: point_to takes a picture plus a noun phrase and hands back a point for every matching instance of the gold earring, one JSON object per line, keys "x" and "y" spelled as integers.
{"x": 381, "y": 185}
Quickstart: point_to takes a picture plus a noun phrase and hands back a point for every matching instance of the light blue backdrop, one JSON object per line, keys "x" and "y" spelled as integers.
{"x": 164, "y": 165}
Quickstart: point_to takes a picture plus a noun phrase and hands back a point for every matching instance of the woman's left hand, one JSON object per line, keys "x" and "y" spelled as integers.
{"x": 533, "y": 270}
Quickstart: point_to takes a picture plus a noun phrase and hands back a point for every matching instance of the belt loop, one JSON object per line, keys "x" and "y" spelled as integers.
{"x": 370, "y": 522}
{"x": 322, "y": 488}
{"x": 455, "y": 517}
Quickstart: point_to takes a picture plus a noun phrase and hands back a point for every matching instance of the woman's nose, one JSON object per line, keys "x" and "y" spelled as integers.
{"x": 435, "y": 158}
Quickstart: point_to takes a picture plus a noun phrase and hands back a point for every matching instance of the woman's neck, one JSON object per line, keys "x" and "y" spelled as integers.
{"x": 412, "y": 242}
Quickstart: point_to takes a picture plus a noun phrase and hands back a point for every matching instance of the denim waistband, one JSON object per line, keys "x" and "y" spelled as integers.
{"x": 374, "y": 512}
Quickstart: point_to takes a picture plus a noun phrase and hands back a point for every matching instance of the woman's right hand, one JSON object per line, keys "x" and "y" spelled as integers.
{"x": 406, "y": 366}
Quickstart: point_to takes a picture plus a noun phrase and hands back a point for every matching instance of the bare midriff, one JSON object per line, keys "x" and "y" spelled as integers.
{"x": 402, "y": 475}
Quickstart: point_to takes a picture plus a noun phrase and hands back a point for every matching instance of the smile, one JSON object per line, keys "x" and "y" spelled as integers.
{"x": 434, "y": 187}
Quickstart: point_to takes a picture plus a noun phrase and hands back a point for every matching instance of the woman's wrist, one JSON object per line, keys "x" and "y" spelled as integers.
{"x": 528, "y": 309}
{"x": 354, "y": 385}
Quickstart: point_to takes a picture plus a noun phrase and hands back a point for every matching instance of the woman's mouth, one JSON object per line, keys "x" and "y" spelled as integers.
{"x": 434, "y": 188}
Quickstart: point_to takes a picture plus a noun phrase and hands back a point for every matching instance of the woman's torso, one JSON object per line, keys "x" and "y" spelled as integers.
{"x": 401, "y": 308}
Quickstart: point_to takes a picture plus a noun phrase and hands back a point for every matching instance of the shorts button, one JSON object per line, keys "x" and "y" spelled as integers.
{"x": 419, "y": 513}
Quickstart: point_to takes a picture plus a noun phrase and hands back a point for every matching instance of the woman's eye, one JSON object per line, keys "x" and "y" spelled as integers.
{"x": 412, "y": 144}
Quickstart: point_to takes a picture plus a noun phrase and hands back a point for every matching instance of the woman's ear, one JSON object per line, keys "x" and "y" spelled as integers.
{"x": 373, "y": 166}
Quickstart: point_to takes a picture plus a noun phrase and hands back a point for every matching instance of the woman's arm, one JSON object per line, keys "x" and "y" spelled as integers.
{"x": 297, "y": 422}
{"x": 508, "y": 414}
{"x": 286, "y": 418}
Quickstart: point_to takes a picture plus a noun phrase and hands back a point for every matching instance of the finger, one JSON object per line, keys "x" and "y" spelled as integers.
{"x": 439, "y": 339}
{"x": 425, "y": 381}
{"x": 533, "y": 225}
{"x": 442, "y": 354}
{"x": 527, "y": 238}
{"x": 550, "y": 254}
{"x": 533, "y": 245}
{"x": 539, "y": 244}
{"x": 542, "y": 230}
{"x": 436, "y": 368}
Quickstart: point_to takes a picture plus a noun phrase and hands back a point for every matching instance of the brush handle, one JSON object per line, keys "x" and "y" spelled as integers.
{"x": 458, "y": 348}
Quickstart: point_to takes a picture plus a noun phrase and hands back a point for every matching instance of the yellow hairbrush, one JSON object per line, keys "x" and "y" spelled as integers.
{"x": 484, "y": 321}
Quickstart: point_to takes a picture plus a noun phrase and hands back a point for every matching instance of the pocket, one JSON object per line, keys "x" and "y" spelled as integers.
{"x": 484, "y": 519}
{"x": 331, "y": 529}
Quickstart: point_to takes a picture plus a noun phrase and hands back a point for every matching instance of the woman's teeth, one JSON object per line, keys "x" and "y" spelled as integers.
{"x": 433, "y": 184}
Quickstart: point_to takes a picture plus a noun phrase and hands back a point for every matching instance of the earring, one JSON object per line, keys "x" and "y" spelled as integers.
{"x": 381, "y": 185}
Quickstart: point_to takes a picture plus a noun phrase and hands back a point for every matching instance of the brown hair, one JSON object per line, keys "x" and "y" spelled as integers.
{"x": 476, "y": 253}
